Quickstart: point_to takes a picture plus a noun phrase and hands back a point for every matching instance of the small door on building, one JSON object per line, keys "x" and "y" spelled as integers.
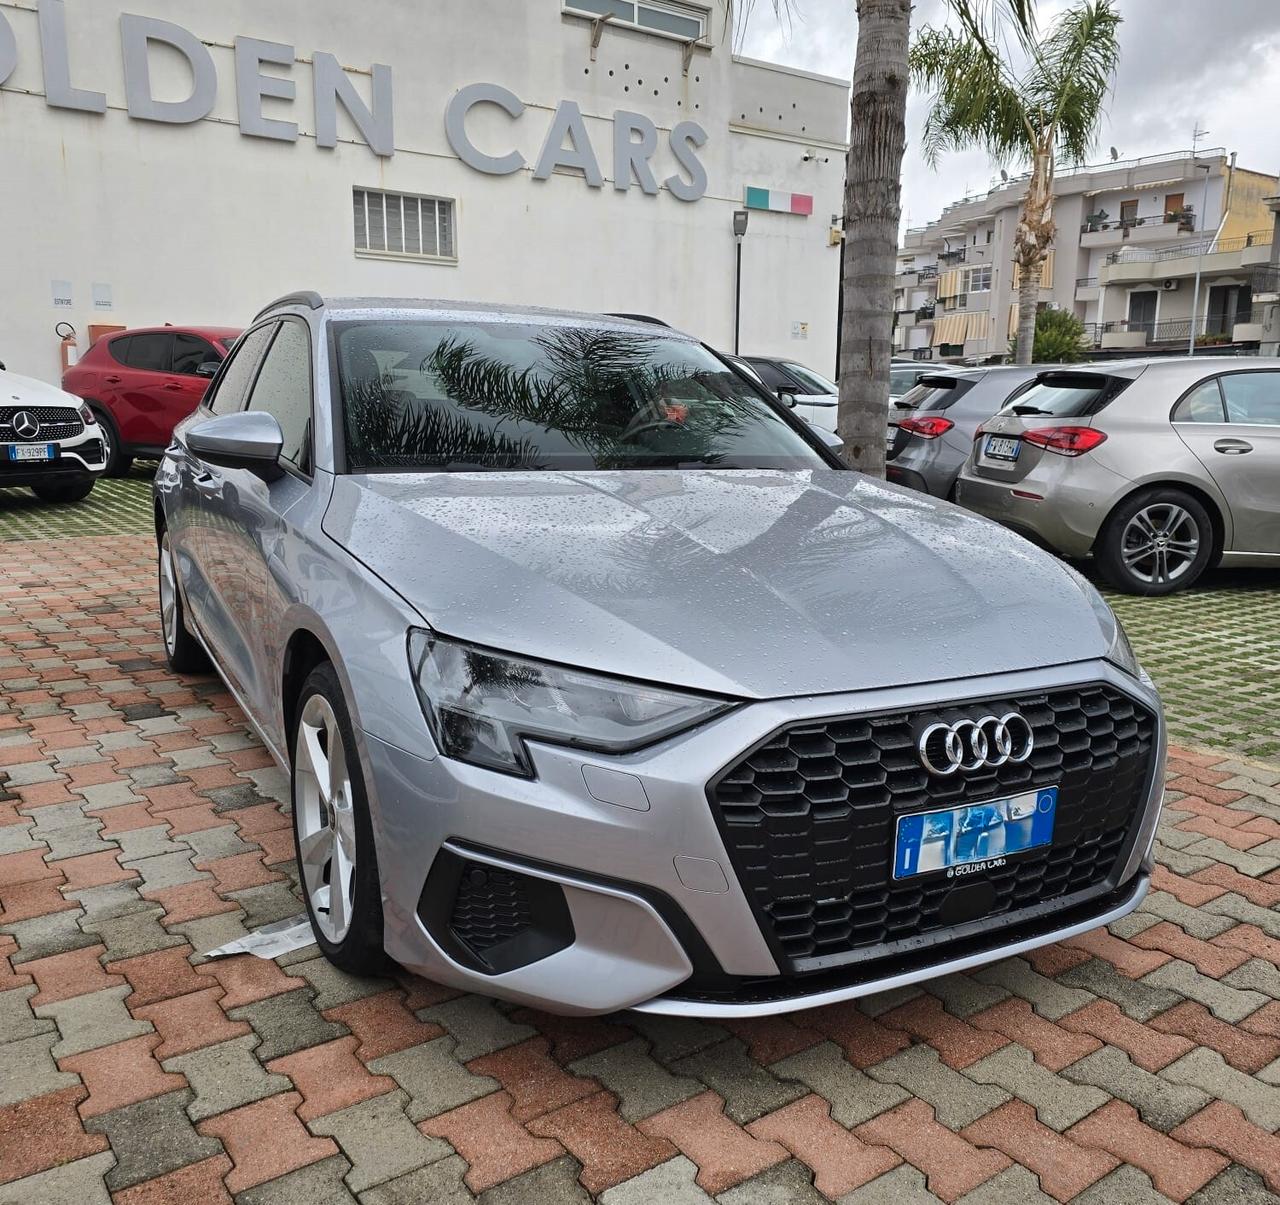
{"x": 1228, "y": 304}
{"x": 1142, "y": 311}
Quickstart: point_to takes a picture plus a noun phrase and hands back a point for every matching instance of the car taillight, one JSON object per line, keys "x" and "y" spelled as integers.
{"x": 1065, "y": 441}
{"x": 926, "y": 428}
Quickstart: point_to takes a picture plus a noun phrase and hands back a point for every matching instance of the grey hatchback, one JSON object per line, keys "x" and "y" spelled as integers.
{"x": 1160, "y": 468}
{"x": 931, "y": 428}
{"x": 601, "y": 684}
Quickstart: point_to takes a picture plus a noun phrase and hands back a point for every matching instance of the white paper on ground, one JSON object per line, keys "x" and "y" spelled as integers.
{"x": 270, "y": 941}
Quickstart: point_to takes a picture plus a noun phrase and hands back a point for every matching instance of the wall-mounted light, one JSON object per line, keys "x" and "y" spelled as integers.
{"x": 740, "y": 219}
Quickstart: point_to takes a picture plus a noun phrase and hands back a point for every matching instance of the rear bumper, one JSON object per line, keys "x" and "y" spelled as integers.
{"x": 1066, "y": 521}
{"x": 657, "y": 918}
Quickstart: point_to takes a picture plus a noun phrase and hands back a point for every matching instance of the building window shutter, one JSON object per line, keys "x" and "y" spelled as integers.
{"x": 402, "y": 225}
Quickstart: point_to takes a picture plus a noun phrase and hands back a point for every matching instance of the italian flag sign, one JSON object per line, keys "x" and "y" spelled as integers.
{"x": 779, "y": 202}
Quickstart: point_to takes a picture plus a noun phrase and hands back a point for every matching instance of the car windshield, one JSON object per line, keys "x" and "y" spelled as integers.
{"x": 817, "y": 382}
{"x": 1065, "y": 395}
{"x": 476, "y": 395}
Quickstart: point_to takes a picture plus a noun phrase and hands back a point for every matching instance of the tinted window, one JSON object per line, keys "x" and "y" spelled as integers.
{"x": 939, "y": 397}
{"x": 1252, "y": 397}
{"x": 119, "y": 349}
{"x": 149, "y": 352}
{"x": 283, "y": 389}
{"x": 512, "y": 395}
{"x": 814, "y": 382}
{"x": 1202, "y": 405}
{"x": 772, "y": 375}
{"x": 901, "y": 380}
{"x": 228, "y": 392}
{"x": 1067, "y": 395}
{"x": 190, "y": 351}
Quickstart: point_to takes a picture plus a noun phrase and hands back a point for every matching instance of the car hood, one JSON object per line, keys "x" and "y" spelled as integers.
{"x": 747, "y": 583}
{"x": 27, "y": 391}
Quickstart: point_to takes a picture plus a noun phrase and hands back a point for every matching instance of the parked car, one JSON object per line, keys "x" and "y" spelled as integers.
{"x": 601, "y": 684}
{"x": 48, "y": 440}
{"x": 904, "y": 375}
{"x": 1159, "y": 468}
{"x": 140, "y": 383}
{"x": 931, "y": 428}
{"x": 814, "y": 397}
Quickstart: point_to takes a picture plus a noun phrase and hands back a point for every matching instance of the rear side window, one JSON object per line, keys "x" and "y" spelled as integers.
{"x": 1252, "y": 397}
{"x": 149, "y": 352}
{"x": 1068, "y": 395}
{"x": 119, "y": 349}
{"x": 1202, "y": 405}
{"x": 772, "y": 376}
{"x": 902, "y": 379}
{"x": 227, "y": 393}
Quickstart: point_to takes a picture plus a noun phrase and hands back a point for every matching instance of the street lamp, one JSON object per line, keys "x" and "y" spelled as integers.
{"x": 740, "y": 219}
{"x": 1195, "y": 296}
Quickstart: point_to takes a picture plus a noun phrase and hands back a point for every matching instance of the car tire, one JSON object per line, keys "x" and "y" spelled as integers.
{"x": 1156, "y": 542}
{"x": 63, "y": 491}
{"x": 333, "y": 833}
{"x": 118, "y": 463}
{"x": 182, "y": 650}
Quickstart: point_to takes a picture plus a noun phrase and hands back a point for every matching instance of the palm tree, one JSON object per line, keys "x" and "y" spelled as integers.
{"x": 872, "y": 210}
{"x": 1048, "y": 111}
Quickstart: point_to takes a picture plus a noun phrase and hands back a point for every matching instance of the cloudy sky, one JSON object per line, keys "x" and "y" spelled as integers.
{"x": 1215, "y": 62}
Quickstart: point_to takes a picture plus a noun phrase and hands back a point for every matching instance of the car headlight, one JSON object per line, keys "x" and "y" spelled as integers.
{"x": 87, "y": 417}
{"x": 1119, "y": 651}
{"x": 483, "y": 705}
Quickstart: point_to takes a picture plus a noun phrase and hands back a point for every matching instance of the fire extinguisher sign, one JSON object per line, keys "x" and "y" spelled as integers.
{"x": 61, "y": 294}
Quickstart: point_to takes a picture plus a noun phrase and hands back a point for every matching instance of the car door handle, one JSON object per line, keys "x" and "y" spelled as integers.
{"x": 171, "y": 386}
{"x": 1233, "y": 447}
{"x": 112, "y": 380}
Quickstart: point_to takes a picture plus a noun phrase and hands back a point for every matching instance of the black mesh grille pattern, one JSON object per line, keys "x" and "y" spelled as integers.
{"x": 56, "y": 422}
{"x": 492, "y": 906}
{"x": 809, "y": 817}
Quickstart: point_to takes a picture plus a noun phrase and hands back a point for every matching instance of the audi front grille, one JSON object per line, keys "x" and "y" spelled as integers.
{"x": 809, "y": 820}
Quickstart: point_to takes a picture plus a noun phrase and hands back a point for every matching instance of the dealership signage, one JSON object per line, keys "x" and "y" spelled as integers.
{"x": 258, "y": 67}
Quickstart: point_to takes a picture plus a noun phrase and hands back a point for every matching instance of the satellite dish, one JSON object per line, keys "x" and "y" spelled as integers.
{"x": 1004, "y": 175}
{"x": 1115, "y": 154}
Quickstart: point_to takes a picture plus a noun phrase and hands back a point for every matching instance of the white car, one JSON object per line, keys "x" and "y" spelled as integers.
{"x": 49, "y": 440}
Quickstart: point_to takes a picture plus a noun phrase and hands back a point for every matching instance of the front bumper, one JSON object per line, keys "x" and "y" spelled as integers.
{"x": 78, "y": 458}
{"x": 658, "y": 919}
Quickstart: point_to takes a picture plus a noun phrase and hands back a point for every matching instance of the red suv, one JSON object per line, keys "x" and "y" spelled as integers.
{"x": 139, "y": 383}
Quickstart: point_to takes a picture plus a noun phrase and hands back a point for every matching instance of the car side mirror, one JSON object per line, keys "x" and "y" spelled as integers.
{"x": 787, "y": 395}
{"x": 249, "y": 440}
{"x": 209, "y": 368}
{"x": 830, "y": 438}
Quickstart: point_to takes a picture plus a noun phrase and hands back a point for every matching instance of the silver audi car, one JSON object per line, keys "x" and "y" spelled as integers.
{"x": 602, "y": 684}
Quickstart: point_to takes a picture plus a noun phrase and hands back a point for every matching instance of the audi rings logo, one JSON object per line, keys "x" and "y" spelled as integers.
{"x": 25, "y": 425}
{"x": 971, "y": 745}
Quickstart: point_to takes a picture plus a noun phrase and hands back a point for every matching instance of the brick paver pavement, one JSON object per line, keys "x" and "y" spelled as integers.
{"x": 141, "y": 823}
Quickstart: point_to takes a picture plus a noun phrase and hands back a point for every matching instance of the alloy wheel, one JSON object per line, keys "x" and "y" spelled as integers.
{"x": 325, "y": 820}
{"x": 168, "y": 597}
{"x": 1160, "y": 543}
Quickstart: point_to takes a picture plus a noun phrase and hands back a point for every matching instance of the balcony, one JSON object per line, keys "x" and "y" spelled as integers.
{"x": 1137, "y": 231}
{"x": 1086, "y": 288}
{"x": 951, "y": 258}
{"x": 1244, "y": 327}
{"x": 1210, "y": 255}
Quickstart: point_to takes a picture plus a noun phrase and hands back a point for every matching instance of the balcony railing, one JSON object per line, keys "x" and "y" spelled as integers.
{"x": 1256, "y": 238}
{"x": 953, "y": 257}
{"x": 925, "y": 312}
{"x": 1265, "y": 280}
{"x": 928, "y": 273}
{"x": 1210, "y": 330}
{"x": 1086, "y": 282}
{"x": 1185, "y": 220}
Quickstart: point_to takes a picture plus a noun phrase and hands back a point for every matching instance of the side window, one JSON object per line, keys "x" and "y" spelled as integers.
{"x": 901, "y": 380}
{"x": 1253, "y": 397}
{"x": 227, "y": 393}
{"x": 190, "y": 351}
{"x": 119, "y": 349}
{"x": 771, "y": 375}
{"x": 150, "y": 352}
{"x": 283, "y": 389}
{"x": 1202, "y": 405}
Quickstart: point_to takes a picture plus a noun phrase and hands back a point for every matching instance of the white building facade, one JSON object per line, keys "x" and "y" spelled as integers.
{"x": 187, "y": 162}
{"x": 1131, "y": 237}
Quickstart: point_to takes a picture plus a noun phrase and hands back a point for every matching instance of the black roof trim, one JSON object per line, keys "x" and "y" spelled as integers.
{"x": 306, "y": 297}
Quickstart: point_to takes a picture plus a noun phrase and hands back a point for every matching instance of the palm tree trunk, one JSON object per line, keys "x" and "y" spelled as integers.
{"x": 872, "y": 209}
{"x": 1031, "y": 243}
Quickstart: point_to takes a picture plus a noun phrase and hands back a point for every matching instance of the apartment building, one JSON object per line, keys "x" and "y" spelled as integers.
{"x": 1131, "y": 235}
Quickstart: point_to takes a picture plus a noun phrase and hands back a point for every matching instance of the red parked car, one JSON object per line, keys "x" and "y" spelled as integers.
{"x": 139, "y": 383}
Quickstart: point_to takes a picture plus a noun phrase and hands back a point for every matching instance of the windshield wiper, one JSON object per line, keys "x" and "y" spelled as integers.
{"x": 1029, "y": 410}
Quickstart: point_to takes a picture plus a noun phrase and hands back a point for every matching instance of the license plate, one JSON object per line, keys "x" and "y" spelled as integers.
{"x": 32, "y": 452}
{"x": 1001, "y": 448}
{"x": 974, "y": 837}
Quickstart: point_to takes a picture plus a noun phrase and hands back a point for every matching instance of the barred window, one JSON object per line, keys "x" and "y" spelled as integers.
{"x": 673, "y": 17}
{"x": 394, "y": 223}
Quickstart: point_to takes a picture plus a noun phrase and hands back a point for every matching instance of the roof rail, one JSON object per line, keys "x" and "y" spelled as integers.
{"x": 306, "y": 297}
